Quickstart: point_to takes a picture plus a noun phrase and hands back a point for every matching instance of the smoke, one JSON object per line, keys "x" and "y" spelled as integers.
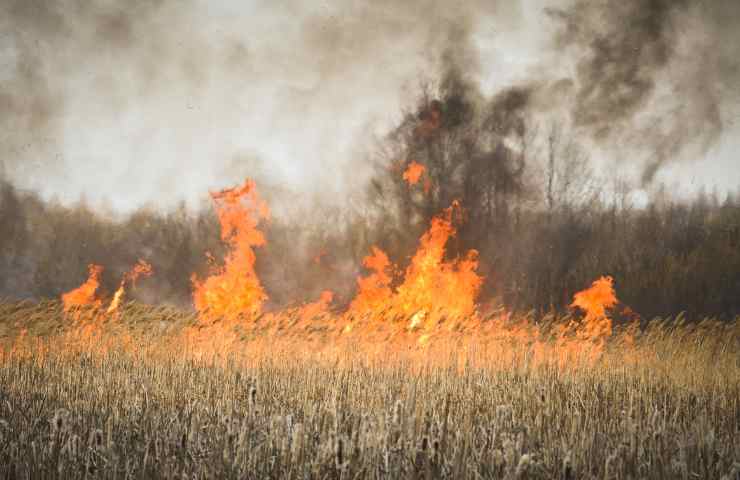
{"x": 146, "y": 103}
{"x": 44, "y": 44}
{"x": 149, "y": 102}
{"x": 656, "y": 76}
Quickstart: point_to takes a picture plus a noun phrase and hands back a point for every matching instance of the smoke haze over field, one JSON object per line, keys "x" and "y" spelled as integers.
{"x": 155, "y": 101}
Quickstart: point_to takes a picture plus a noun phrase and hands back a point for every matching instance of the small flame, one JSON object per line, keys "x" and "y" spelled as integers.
{"x": 595, "y": 300}
{"x": 234, "y": 289}
{"x": 141, "y": 268}
{"x": 317, "y": 308}
{"x": 413, "y": 173}
{"x": 84, "y": 295}
{"x": 319, "y": 258}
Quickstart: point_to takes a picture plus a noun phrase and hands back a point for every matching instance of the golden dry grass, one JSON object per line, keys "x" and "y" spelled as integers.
{"x": 130, "y": 397}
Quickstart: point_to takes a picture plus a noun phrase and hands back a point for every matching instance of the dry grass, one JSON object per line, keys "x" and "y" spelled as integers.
{"x": 130, "y": 400}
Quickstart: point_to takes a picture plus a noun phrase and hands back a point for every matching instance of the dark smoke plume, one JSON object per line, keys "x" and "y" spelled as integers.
{"x": 659, "y": 75}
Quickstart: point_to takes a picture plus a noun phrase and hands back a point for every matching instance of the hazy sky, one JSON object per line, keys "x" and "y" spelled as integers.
{"x": 165, "y": 100}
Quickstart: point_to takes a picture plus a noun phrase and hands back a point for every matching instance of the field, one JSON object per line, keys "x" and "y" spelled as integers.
{"x": 338, "y": 240}
{"x": 152, "y": 392}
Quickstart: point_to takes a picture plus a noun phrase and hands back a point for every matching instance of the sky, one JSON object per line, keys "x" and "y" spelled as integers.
{"x": 127, "y": 104}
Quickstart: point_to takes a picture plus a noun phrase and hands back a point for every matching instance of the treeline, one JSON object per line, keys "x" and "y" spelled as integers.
{"x": 544, "y": 224}
{"x": 665, "y": 258}
{"x": 45, "y": 250}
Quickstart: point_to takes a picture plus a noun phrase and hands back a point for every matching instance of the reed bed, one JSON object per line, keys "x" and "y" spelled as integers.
{"x": 131, "y": 398}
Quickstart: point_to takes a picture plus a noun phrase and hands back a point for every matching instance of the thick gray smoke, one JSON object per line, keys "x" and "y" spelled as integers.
{"x": 153, "y": 101}
{"x": 43, "y": 45}
{"x": 655, "y": 76}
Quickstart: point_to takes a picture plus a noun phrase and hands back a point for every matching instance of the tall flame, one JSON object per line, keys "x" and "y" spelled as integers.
{"x": 234, "y": 288}
{"x": 84, "y": 295}
{"x": 141, "y": 268}
{"x": 431, "y": 283}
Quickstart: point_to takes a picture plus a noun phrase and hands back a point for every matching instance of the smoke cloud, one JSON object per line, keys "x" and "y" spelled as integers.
{"x": 656, "y": 76}
{"x": 151, "y": 102}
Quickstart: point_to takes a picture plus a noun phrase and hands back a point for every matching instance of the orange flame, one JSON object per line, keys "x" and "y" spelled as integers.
{"x": 141, "y": 268}
{"x": 312, "y": 310}
{"x": 234, "y": 289}
{"x": 431, "y": 286}
{"x": 84, "y": 295}
{"x": 432, "y": 300}
{"x": 596, "y": 326}
{"x": 594, "y": 301}
{"x": 431, "y": 283}
{"x": 374, "y": 291}
{"x": 413, "y": 173}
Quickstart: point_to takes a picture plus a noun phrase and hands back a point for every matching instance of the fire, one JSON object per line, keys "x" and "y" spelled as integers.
{"x": 430, "y": 302}
{"x": 596, "y": 327}
{"x": 413, "y": 173}
{"x": 234, "y": 289}
{"x": 113, "y": 307}
{"x": 312, "y": 310}
{"x": 374, "y": 291}
{"x": 431, "y": 286}
{"x": 594, "y": 301}
{"x": 84, "y": 295}
{"x": 141, "y": 268}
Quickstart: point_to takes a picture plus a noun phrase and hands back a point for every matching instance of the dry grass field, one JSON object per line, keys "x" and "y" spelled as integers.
{"x": 153, "y": 393}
